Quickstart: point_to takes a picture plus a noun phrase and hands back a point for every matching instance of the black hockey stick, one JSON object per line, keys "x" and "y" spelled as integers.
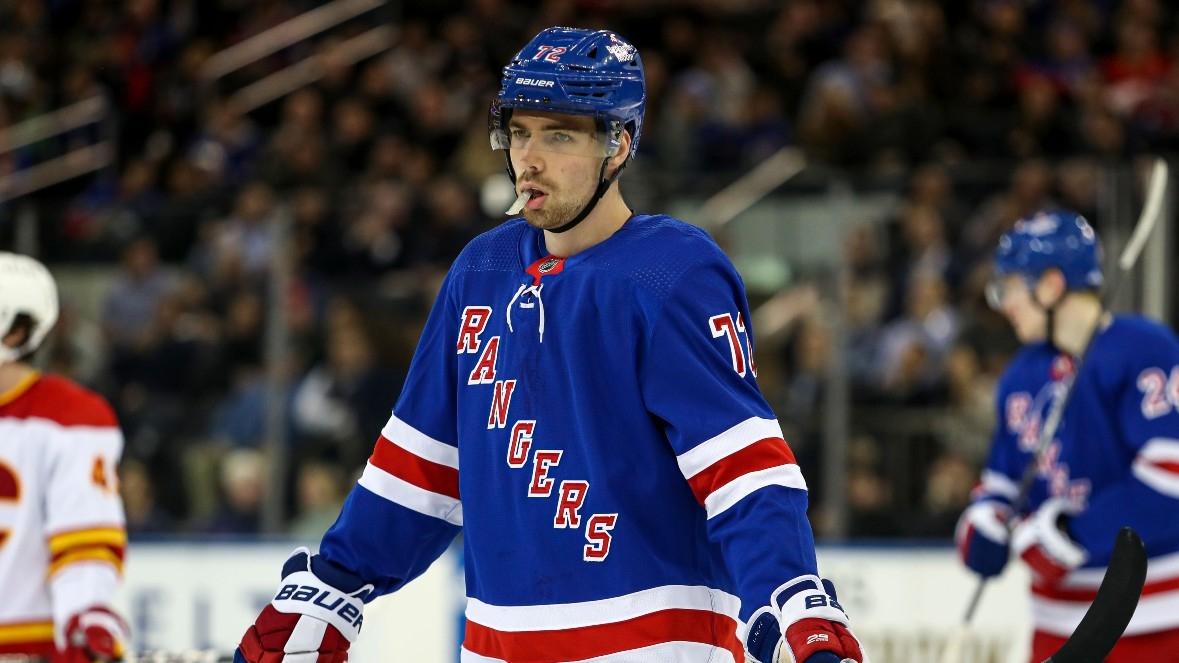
{"x": 1117, "y": 597}
{"x": 1147, "y": 220}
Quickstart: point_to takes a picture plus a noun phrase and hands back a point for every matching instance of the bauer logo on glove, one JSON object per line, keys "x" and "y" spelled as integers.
{"x": 324, "y": 598}
{"x": 315, "y": 615}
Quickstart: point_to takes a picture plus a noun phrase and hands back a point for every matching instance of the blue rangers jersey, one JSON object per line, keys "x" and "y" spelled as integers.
{"x": 594, "y": 427}
{"x": 1116, "y": 453}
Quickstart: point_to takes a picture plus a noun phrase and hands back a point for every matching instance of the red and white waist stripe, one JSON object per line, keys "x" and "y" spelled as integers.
{"x": 1057, "y": 609}
{"x": 669, "y": 624}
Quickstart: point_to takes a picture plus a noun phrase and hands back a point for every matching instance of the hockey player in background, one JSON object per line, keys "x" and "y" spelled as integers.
{"x": 1114, "y": 460}
{"x": 61, "y": 519}
{"x": 585, "y": 382}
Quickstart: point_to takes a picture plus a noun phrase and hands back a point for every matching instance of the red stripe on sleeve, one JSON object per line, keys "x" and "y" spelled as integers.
{"x": 424, "y": 474}
{"x": 575, "y": 644}
{"x": 761, "y": 455}
{"x": 1168, "y": 465}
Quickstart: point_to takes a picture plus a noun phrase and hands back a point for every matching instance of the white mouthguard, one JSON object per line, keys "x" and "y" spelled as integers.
{"x": 521, "y": 200}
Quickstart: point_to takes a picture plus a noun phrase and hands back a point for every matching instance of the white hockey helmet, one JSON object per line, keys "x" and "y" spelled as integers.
{"x": 25, "y": 287}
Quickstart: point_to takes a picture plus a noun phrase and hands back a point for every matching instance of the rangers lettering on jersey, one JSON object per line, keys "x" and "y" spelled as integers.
{"x": 474, "y": 321}
{"x": 572, "y": 496}
{"x": 484, "y": 371}
{"x": 542, "y": 461}
{"x": 1119, "y": 415}
{"x": 501, "y": 400}
{"x": 564, "y": 478}
{"x": 519, "y": 442}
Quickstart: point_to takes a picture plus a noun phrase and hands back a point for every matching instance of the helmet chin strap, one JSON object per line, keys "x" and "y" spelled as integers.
{"x": 1050, "y": 317}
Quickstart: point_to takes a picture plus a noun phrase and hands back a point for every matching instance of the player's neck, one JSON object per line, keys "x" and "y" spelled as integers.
{"x": 1075, "y": 317}
{"x": 12, "y": 374}
{"x": 606, "y": 218}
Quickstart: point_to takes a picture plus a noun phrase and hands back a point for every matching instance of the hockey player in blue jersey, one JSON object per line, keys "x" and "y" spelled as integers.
{"x": 583, "y": 406}
{"x": 1114, "y": 460}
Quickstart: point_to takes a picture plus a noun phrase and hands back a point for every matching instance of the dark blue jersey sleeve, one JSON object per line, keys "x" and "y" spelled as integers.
{"x": 405, "y": 510}
{"x": 1005, "y": 462}
{"x": 698, "y": 380}
{"x": 1147, "y": 406}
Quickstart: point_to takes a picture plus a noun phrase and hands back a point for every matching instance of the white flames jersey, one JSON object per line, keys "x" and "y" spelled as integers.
{"x": 61, "y": 520}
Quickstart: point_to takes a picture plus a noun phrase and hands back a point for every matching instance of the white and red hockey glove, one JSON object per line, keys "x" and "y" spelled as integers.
{"x": 1043, "y": 543}
{"x": 982, "y": 537}
{"x": 313, "y": 618}
{"x": 94, "y": 635}
{"x": 809, "y": 626}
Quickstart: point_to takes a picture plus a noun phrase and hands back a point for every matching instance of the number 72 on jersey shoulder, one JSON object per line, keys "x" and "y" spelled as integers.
{"x": 733, "y": 330}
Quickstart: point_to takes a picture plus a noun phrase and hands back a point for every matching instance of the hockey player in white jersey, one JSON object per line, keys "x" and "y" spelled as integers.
{"x": 583, "y": 405}
{"x": 61, "y": 520}
{"x": 1114, "y": 460}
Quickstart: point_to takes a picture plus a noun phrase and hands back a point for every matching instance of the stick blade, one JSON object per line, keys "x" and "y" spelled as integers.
{"x": 1114, "y": 605}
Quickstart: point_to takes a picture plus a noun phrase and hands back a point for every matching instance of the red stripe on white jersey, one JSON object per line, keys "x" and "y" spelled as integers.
{"x": 751, "y": 455}
{"x": 668, "y": 651}
{"x": 1058, "y": 608}
{"x": 415, "y": 471}
{"x": 603, "y": 640}
{"x": 1087, "y": 595}
{"x": 557, "y": 616}
{"x": 652, "y": 618}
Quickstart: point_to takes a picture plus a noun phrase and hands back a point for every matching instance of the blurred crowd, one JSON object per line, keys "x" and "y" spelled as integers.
{"x": 333, "y": 211}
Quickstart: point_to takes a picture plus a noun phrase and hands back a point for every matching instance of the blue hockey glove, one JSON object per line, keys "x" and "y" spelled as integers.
{"x": 809, "y": 626}
{"x": 982, "y": 537}
{"x": 315, "y": 615}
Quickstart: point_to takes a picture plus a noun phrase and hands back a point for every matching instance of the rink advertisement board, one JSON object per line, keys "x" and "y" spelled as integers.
{"x": 903, "y": 602}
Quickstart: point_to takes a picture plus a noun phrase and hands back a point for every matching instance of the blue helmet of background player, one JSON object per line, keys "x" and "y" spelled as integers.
{"x": 1051, "y": 239}
{"x": 581, "y": 72}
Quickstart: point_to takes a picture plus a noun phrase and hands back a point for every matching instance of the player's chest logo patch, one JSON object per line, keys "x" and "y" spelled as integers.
{"x": 546, "y": 266}
{"x": 1062, "y": 367}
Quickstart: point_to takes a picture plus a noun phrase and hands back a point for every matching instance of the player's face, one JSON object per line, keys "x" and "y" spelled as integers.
{"x": 1015, "y": 301}
{"x": 557, "y": 157}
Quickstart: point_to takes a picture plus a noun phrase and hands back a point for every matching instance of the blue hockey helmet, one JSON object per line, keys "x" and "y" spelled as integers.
{"x": 577, "y": 71}
{"x": 1050, "y": 239}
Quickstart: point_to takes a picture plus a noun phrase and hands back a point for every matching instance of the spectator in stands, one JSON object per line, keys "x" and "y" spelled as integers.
{"x": 913, "y": 348}
{"x": 243, "y": 484}
{"x": 132, "y": 306}
{"x": 375, "y": 197}
{"x": 947, "y": 492}
{"x": 319, "y": 493}
{"x": 343, "y": 401}
{"x": 144, "y": 514}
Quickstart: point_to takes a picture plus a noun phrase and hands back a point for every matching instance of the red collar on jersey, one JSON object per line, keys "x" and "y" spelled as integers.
{"x": 546, "y": 266}
{"x": 1062, "y": 365}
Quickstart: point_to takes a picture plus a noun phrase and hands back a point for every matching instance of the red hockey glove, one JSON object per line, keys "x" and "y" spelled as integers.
{"x": 1043, "y": 543}
{"x": 94, "y": 635}
{"x": 314, "y": 617}
{"x": 813, "y": 627}
{"x": 982, "y": 537}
